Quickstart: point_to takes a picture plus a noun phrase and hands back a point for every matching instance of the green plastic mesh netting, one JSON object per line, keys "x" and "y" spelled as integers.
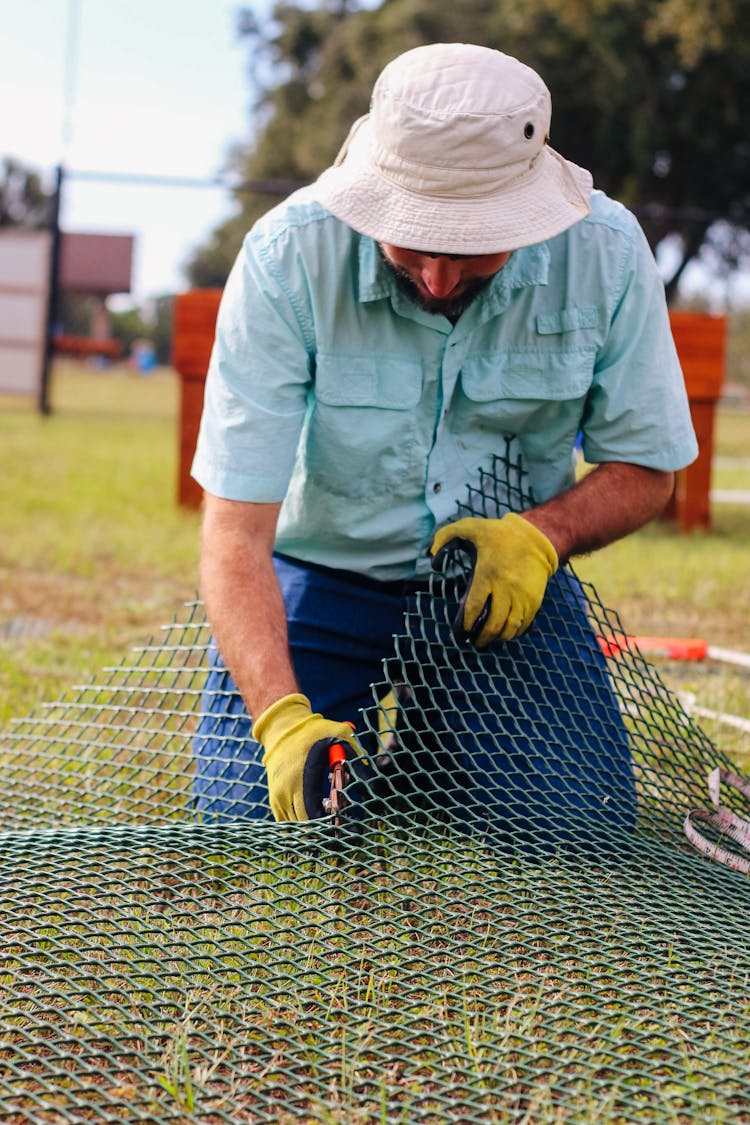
{"x": 489, "y": 950}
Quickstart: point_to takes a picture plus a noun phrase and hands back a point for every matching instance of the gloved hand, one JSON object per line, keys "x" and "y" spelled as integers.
{"x": 296, "y": 743}
{"x": 511, "y": 563}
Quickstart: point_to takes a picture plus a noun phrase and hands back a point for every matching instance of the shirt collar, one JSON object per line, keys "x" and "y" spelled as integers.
{"x": 527, "y": 266}
{"x": 374, "y": 279}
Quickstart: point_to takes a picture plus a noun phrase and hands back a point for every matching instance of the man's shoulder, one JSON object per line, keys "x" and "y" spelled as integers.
{"x": 598, "y": 251}
{"x": 607, "y": 213}
{"x": 609, "y": 234}
{"x": 300, "y": 220}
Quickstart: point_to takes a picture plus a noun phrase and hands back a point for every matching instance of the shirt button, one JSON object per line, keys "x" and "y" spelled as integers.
{"x": 437, "y": 486}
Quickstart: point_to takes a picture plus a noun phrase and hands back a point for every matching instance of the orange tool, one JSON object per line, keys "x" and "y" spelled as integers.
{"x": 676, "y": 648}
{"x": 335, "y": 804}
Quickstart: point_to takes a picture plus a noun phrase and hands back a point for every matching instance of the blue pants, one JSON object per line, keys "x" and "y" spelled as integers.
{"x": 526, "y": 740}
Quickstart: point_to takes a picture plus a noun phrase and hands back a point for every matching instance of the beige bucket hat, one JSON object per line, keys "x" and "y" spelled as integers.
{"x": 454, "y": 157}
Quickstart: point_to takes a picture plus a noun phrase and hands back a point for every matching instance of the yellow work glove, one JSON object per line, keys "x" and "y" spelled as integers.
{"x": 296, "y": 743}
{"x": 511, "y": 563}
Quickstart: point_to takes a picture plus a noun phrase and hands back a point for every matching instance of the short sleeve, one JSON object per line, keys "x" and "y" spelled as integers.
{"x": 637, "y": 408}
{"x": 258, "y": 378}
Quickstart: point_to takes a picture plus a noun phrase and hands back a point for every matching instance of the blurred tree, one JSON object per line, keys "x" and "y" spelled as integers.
{"x": 210, "y": 263}
{"x": 652, "y": 95}
{"x": 150, "y": 321}
{"x": 75, "y": 314}
{"x": 23, "y": 200}
{"x": 312, "y": 70}
{"x": 129, "y": 325}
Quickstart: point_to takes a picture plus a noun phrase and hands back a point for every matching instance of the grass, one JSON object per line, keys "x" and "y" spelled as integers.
{"x": 664, "y": 583}
{"x": 94, "y": 552}
{"x": 435, "y": 984}
{"x": 171, "y": 978}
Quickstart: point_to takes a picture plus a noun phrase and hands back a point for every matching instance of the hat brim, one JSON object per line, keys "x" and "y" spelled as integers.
{"x": 551, "y": 196}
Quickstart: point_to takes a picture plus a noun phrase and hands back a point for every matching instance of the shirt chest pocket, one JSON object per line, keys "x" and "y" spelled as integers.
{"x": 528, "y": 376}
{"x": 370, "y": 382}
{"x": 558, "y": 367}
{"x": 363, "y": 432}
{"x": 536, "y": 396}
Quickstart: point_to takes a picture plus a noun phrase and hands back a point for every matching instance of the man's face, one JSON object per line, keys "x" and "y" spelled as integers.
{"x": 441, "y": 283}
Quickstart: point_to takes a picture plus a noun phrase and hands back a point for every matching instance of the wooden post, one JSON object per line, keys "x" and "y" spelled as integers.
{"x": 701, "y": 345}
{"x": 194, "y": 324}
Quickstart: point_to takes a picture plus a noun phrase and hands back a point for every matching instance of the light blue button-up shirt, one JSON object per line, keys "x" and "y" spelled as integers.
{"x": 330, "y": 390}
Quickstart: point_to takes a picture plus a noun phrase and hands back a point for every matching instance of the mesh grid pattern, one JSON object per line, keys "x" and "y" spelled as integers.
{"x": 407, "y": 967}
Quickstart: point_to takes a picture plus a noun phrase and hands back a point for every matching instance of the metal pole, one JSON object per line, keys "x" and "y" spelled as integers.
{"x": 53, "y": 292}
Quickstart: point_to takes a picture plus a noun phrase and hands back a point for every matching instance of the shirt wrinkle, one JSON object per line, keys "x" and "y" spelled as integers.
{"x": 303, "y": 319}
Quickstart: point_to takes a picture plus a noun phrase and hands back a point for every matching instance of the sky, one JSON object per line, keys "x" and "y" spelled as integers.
{"x": 159, "y": 87}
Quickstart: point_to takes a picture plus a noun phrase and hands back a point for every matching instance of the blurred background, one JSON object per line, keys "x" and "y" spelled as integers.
{"x": 177, "y": 122}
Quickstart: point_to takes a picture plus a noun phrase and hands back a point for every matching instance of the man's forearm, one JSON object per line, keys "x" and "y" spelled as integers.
{"x": 245, "y": 607}
{"x": 610, "y": 502}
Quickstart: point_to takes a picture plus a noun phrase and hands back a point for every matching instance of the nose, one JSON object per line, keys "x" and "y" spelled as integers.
{"x": 440, "y": 276}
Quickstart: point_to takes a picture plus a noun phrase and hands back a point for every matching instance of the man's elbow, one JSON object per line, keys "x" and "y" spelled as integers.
{"x": 661, "y": 490}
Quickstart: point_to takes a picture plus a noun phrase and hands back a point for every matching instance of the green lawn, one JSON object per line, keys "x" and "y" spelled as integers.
{"x": 94, "y": 552}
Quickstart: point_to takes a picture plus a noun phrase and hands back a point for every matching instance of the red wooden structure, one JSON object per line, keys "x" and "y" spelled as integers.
{"x": 83, "y": 347}
{"x": 701, "y": 346}
{"x": 192, "y": 339}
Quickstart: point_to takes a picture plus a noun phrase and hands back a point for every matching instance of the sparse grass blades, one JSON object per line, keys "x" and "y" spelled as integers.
{"x": 94, "y": 552}
{"x": 183, "y": 983}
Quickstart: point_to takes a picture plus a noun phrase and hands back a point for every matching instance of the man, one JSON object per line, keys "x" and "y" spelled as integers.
{"x": 449, "y": 284}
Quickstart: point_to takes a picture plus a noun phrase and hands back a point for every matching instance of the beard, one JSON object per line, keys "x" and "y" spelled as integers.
{"x": 449, "y": 307}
